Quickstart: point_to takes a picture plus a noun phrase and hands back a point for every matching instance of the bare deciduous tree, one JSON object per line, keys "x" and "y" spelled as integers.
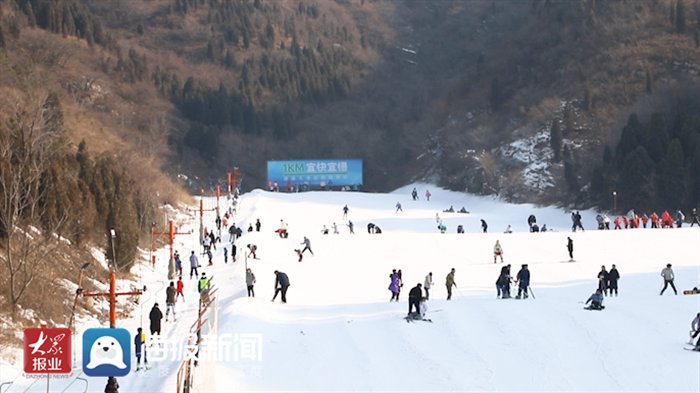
{"x": 29, "y": 141}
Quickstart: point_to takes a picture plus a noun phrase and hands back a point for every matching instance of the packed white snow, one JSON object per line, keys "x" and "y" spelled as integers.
{"x": 339, "y": 332}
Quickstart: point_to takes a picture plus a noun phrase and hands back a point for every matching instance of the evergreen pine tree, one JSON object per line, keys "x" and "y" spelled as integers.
{"x": 555, "y": 139}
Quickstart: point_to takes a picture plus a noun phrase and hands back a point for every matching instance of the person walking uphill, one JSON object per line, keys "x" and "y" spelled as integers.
{"x": 155, "y": 316}
{"x": 281, "y": 285}
{"x": 194, "y": 264}
{"x": 414, "y": 297}
{"x": 450, "y": 282}
{"x": 603, "y": 278}
{"x": 523, "y": 281}
{"x": 250, "y": 281}
{"x": 667, "y": 274}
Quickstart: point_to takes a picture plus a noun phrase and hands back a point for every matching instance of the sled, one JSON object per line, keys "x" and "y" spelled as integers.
{"x": 691, "y": 292}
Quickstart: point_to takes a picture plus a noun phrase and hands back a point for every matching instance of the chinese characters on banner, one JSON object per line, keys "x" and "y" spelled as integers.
{"x": 47, "y": 351}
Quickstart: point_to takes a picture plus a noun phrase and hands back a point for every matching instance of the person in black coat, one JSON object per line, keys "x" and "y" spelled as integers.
{"x": 570, "y": 247}
{"x": 281, "y": 285}
{"x": 155, "y": 316}
{"x": 414, "y": 296}
{"x": 523, "y": 280}
{"x": 503, "y": 283}
{"x": 613, "y": 276}
{"x": 603, "y": 280}
{"x": 484, "y": 226}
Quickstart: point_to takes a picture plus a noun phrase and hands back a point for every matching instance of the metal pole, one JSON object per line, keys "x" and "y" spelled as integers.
{"x": 113, "y": 234}
{"x": 614, "y": 203}
{"x": 171, "y": 238}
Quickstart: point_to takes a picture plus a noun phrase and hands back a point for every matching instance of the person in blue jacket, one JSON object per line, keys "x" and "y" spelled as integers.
{"x": 523, "y": 281}
{"x": 139, "y": 340}
{"x": 596, "y": 300}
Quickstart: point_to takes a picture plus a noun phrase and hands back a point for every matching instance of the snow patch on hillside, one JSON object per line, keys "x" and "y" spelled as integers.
{"x": 536, "y": 154}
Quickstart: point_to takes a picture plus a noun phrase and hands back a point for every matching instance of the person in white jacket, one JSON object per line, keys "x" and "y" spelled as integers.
{"x": 497, "y": 251}
{"x": 667, "y": 274}
{"x": 427, "y": 284}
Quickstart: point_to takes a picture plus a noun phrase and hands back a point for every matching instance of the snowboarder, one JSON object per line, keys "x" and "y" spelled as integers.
{"x": 345, "y": 212}
{"x": 377, "y": 230}
{"x": 667, "y": 274}
{"x": 428, "y": 284}
{"x": 307, "y": 245}
{"x": 370, "y": 228}
{"x": 250, "y": 281}
{"x": 576, "y": 221}
{"x": 613, "y": 276}
{"x": 695, "y": 331}
{"x": 170, "y": 301}
{"x": 570, "y": 247}
{"x": 523, "y": 281}
{"x": 179, "y": 289}
{"x": 257, "y": 225}
{"x": 497, "y": 251}
{"x": 394, "y": 285}
{"x": 250, "y": 227}
{"x": 596, "y": 301}
{"x": 450, "y": 282}
{"x": 603, "y": 277}
{"x": 398, "y": 207}
{"x": 484, "y": 225}
{"x": 509, "y": 229}
{"x": 194, "y": 264}
{"x": 414, "y": 296}
{"x": 139, "y": 349}
{"x": 281, "y": 285}
{"x": 155, "y": 316}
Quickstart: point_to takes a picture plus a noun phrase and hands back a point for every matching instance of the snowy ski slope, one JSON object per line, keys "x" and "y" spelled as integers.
{"x": 338, "y": 331}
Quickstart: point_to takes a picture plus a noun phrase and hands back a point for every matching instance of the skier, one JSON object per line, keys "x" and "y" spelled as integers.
{"x": 596, "y": 301}
{"x": 523, "y": 281}
{"x": 570, "y": 247}
{"x": 155, "y": 316}
{"x": 398, "y": 207}
{"x": 194, "y": 264}
{"x": 257, "y": 225}
{"x": 394, "y": 285}
{"x": 576, "y": 218}
{"x": 170, "y": 301}
{"x": 428, "y": 284}
{"x": 414, "y": 296}
{"x": 694, "y": 216}
{"x": 428, "y": 195}
{"x": 139, "y": 349}
{"x": 667, "y": 274}
{"x": 450, "y": 282}
{"x": 603, "y": 277}
{"x": 210, "y": 257}
{"x": 345, "y": 212}
{"x": 414, "y": 195}
{"x": 178, "y": 289}
{"x": 250, "y": 281}
{"x": 307, "y": 245}
{"x": 281, "y": 285}
{"x": 497, "y": 251}
{"x": 351, "y": 226}
{"x": 613, "y": 276}
{"x": 484, "y": 225}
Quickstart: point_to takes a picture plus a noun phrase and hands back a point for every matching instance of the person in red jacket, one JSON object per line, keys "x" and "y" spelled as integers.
{"x": 645, "y": 219}
{"x": 626, "y": 221}
{"x": 666, "y": 221}
{"x": 178, "y": 289}
{"x": 654, "y": 220}
{"x": 617, "y": 223}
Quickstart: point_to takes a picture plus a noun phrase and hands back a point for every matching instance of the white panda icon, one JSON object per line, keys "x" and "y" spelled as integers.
{"x": 106, "y": 350}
